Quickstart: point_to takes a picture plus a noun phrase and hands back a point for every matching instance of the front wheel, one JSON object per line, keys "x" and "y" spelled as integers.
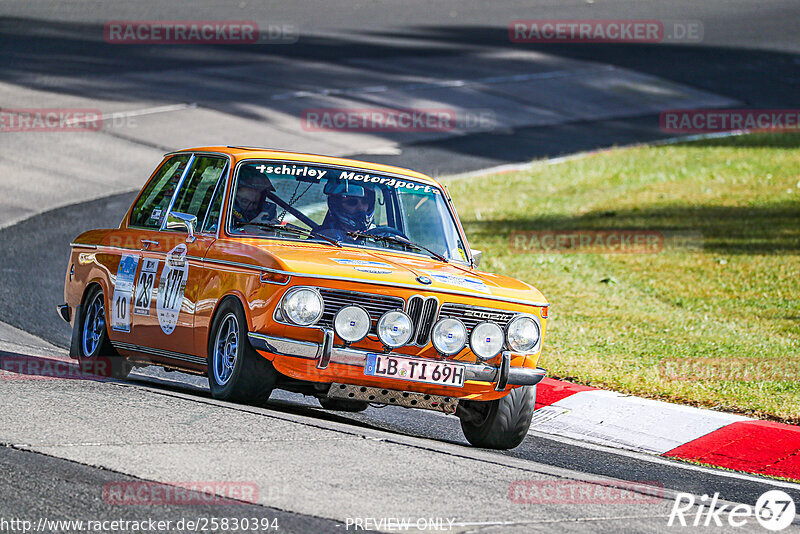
{"x": 236, "y": 372}
{"x": 501, "y": 423}
{"x": 96, "y": 356}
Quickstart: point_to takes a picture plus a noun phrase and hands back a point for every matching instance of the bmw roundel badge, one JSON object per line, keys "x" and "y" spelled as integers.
{"x": 424, "y": 280}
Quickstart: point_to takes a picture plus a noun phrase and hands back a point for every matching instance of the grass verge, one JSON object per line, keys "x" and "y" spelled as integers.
{"x": 710, "y": 319}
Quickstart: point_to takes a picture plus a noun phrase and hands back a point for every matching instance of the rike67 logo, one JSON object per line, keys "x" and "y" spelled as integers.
{"x": 774, "y": 510}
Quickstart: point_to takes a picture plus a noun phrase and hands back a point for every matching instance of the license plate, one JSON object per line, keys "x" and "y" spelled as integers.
{"x": 415, "y": 370}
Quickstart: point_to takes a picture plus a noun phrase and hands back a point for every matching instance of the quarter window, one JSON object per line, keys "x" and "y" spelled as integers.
{"x": 152, "y": 204}
{"x": 197, "y": 190}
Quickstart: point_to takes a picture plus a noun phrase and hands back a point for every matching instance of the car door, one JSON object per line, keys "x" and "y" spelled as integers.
{"x": 168, "y": 286}
{"x": 125, "y": 249}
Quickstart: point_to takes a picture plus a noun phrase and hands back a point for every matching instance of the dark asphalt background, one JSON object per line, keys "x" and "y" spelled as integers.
{"x": 763, "y": 71}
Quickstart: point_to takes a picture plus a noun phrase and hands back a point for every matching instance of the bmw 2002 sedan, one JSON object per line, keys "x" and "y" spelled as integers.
{"x": 348, "y": 281}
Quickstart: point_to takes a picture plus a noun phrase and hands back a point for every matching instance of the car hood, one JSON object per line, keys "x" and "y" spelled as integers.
{"x": 387, "y": 268}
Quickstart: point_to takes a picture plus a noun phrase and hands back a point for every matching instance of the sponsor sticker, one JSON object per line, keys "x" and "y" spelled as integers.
{"x": 464, "y": 282}
{"x": 171, "y": 288}
{"x": 363, "y": 263}
{"x": 123, "y": 290}
{"x": 144, "y": 288}
{"x": 373, "y": 270}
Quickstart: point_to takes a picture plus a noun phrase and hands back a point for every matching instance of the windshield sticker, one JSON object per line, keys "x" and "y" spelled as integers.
{"x": 464, "y": 282}
{"x": 144, "y": 287}
{"x": 123, "y": 289}
{"x": 294, "y": 170}
{"x": 318, "y": 174}
{"x": 171, "y": 288}
{"x": 389, "y": 182}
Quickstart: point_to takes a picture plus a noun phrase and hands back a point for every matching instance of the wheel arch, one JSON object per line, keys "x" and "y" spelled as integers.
{"x": 238, "y": 299}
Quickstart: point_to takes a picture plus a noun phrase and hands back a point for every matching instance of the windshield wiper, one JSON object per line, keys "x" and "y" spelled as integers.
{"x": 399, "y": 240}
{"x": 295, "y": 230}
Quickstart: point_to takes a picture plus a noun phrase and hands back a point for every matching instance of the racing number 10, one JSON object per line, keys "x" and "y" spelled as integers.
{"x": 122, "y": 307}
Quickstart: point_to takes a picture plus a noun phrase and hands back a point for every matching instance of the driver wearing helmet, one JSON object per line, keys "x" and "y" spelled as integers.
{"x": 250, "y": 204}
{"x": 351, "y": 208}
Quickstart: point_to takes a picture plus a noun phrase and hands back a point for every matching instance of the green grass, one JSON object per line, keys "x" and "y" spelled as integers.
{"x": 710, "y": 314}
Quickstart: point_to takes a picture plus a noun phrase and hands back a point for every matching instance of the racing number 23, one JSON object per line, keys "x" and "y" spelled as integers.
{"x": 144, "y": 287}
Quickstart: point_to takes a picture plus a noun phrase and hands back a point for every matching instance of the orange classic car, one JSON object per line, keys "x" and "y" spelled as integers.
{"x": 348, "y": 281}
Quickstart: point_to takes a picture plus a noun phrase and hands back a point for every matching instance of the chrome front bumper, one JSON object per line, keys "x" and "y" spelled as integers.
{"x": 324, "y": 353}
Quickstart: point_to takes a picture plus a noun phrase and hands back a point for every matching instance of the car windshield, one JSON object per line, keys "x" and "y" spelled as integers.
{"x": 346, "y": 207}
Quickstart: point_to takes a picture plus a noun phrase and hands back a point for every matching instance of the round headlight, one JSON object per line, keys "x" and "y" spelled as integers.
{"x": 449, "y": 336}
{"x": 522, "y": 333}
{"x": 486, "y": 340}
{"x": 302, "y": 306}
{"x": 395, "y": 329}
{"x": 352, "y": 323}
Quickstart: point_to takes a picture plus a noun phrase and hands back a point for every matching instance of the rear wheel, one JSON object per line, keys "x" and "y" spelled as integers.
{"x": 236, "y": 372}
{"x": 501, "y": 423}
{"x": 95, "y": 354}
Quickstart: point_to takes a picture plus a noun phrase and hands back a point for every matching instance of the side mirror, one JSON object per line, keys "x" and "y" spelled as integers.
{"x": 476, "y": 257}
{"x": 179, "y": 221}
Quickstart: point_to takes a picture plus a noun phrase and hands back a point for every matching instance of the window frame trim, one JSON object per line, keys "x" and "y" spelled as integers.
{"x": 234, "y": 174}
{"x": 167, "y": 157}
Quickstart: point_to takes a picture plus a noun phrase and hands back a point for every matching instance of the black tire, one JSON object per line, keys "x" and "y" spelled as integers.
{"x": 90, "y": 344}
{"x": 501, "y": 423}
{"x": 252, "y": 377}
{"x": 343, "y": 405}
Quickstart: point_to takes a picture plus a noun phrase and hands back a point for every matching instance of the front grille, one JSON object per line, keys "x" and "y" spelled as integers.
{"x": 422, "y": 311}
{"x": 472, "y": 315}
{"x": 376, "y": 305}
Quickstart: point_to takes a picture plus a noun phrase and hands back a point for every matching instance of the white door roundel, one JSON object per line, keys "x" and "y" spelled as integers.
{"x": 171, "y": 288}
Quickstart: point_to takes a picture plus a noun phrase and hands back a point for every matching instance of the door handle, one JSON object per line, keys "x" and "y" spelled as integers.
{"x": 147, "y": 242}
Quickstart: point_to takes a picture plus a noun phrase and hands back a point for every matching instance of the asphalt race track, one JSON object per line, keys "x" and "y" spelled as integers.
{"x": 68, "y": 441}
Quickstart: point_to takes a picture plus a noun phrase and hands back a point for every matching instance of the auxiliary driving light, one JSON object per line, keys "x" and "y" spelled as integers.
{"x": 486, "y": 340}
{"x": 523, "y": 333}
{"x": 449, "y": 336}
{"x": 302, "y": 306}
{"x": 395, "y": 329}
{"x": 352, "y": 323}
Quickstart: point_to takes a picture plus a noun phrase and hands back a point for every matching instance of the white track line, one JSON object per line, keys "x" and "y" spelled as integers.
{"x": 135, "y": 113}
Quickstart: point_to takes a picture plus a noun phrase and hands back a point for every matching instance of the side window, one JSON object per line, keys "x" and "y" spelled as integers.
{"x": 153, "y": 202}
{"x": 212, "y": 218}
{"x": 195, "y": 194}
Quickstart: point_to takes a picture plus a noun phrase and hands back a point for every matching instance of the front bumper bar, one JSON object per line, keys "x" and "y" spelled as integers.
{"x": 325, "y": 353}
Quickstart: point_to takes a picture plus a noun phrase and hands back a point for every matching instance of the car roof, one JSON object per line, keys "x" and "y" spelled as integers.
{"x": 239, "y": 153}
